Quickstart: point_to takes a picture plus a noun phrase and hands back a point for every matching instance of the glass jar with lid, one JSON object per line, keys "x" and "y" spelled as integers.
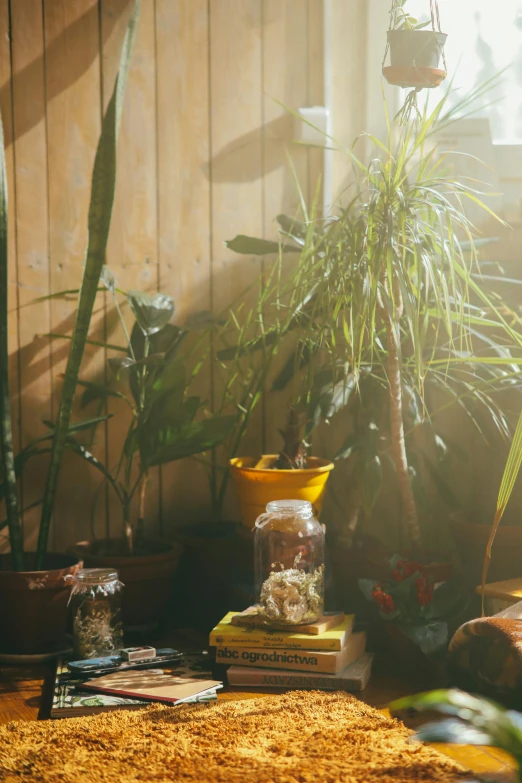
{"x": 96, "y": 610}
{"x": 289, "y": 564}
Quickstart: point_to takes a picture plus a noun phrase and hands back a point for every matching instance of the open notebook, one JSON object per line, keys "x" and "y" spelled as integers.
{"x": 151, "y": 684}
{"x": 70, "y": 700}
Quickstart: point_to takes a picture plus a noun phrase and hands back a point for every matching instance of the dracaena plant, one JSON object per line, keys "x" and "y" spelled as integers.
{"x": 167, "y": 423}
{"x": 387, "y": 308}
{"x": 100, "y": 209}
{"x": 471, "y": 721}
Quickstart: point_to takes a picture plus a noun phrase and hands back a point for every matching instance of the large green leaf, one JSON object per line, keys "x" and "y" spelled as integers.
{"x": 6, "y": 435}
{"x": 250, "y": 246}
{"x": 100, "y": 211}
{"x": 152, "y": 313}
{"x": 167, "y": 444}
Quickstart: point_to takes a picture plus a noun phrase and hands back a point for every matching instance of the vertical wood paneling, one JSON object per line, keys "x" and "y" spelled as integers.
{"x": 315, "y": 87}
{"x": 201, "y": 157}
{"x": 32, "y": 239}
{"x": 132, "y": 251}
{"x": 73, "y": 123}
{"x": 285, "y": 29}
{"x": 182, "y": 38}
{"x": 236, "y": 170}
{"x": 7, "y": 119}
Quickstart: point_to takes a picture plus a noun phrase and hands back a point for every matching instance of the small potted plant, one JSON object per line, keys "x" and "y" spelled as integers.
{"x": 33, "y": 586}
{"x": 166, "y": 424}
{"x": 412, "y": 607}
{"x": 291, "y": 474}
{"x": 415, "y": 52}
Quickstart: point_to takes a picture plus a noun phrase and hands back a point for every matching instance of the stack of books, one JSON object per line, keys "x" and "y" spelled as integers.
{"x": 325, "y": 655}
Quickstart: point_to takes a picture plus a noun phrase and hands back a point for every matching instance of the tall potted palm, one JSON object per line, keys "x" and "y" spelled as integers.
{"x": 390, "y": 304}
{"x": 33, "y": 591}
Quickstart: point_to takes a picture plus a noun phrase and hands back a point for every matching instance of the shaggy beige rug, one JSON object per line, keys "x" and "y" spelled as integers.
{"x": 301, "y": 737}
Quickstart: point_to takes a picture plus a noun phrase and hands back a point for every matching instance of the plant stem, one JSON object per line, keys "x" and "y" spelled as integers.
{"x": 398, "y": 444}
{"x": 140, "y": 526}
{"x": 127, "y": 527}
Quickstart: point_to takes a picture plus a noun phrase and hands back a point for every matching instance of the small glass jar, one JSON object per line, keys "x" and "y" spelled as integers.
{"x": 96, "y": 610}
{"x": 289, "y": 564}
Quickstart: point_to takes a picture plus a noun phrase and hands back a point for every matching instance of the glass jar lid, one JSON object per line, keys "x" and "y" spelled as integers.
{"x": 96, "y": 576}
{"x": 290, "y": 508}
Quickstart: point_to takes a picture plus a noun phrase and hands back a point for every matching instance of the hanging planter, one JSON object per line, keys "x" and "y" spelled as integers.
{"x": 415, "y": 52}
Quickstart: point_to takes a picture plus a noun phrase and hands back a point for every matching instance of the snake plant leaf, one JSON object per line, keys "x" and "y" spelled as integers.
{"x": 7, "y": 459}
{"x": 99, "y": 219}
{"x": 250, "y": 246}
{"x": 161, "y": 445}
{"x": 152, "y": 313}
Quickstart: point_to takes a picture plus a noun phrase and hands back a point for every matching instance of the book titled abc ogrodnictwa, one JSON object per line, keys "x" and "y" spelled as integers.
{"x": 353, "y": 679}
{"x": 227, "y": 635}
{"x": 324, "y": 661}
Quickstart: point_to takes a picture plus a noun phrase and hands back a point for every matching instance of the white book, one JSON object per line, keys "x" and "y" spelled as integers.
{"x": 353, "y": 678}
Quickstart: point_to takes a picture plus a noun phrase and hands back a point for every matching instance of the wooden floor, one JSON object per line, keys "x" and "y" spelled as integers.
{"x": 25, "y": 695}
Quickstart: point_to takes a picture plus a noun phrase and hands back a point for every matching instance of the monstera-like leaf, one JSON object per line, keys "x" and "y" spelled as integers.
{"x": 152, "y": 313}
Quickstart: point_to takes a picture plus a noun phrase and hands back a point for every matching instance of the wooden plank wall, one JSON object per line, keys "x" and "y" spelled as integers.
{"x": 201, "y": 158}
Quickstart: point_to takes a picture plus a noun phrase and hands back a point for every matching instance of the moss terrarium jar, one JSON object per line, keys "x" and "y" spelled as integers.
{"x": 289, "y": 564}
{"x": 96, "y": 610}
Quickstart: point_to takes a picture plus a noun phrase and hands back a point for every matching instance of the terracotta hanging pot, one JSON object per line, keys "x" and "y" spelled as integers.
{"x": 415, "y": 58}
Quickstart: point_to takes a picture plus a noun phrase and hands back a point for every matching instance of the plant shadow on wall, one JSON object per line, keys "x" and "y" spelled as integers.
{"x": 34, "y": 620}
{"x": 383, "y": 316}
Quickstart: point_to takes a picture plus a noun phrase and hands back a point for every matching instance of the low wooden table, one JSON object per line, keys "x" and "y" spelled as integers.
{"x": 25, "y": 695}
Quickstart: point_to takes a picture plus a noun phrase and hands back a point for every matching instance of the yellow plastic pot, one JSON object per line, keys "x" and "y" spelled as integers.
{"x": 255, "y": 487}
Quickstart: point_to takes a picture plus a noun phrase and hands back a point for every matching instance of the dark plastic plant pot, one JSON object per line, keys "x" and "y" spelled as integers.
{"x": 215, "y": 573}
{"x": 33, "y": 605}
{"x": 148, "y": 577}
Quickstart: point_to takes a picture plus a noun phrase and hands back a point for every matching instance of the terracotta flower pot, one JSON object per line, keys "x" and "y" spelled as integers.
{"x": 33, "y": 605}
{"x": 255, "y": 487}
{"x": 147, "y": 578}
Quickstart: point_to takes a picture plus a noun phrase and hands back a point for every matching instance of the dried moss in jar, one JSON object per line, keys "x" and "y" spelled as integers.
{"x": 96, "y": 608}
{"x": 289, "y": 564}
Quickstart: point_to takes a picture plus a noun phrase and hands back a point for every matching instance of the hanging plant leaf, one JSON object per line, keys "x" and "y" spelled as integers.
{"x": 250, "y": 246}
{"x": 152, "y": 313}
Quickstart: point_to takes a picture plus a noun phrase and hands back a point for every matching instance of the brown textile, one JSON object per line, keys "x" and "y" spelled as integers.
{"x": 296, "y": 738}
{"x": 489, "y": 650}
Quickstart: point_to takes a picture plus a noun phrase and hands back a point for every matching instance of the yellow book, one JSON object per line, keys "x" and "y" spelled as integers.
{"x": 322, "y": 661}
{"x": 225, "y": 634}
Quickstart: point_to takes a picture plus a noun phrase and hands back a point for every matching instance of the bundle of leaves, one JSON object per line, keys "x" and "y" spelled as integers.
{"x": 418, "y": 607}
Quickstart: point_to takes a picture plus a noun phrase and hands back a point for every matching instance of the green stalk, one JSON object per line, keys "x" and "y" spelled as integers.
{"x": 100, "y": 210}
{"x": 6, "y": 432}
